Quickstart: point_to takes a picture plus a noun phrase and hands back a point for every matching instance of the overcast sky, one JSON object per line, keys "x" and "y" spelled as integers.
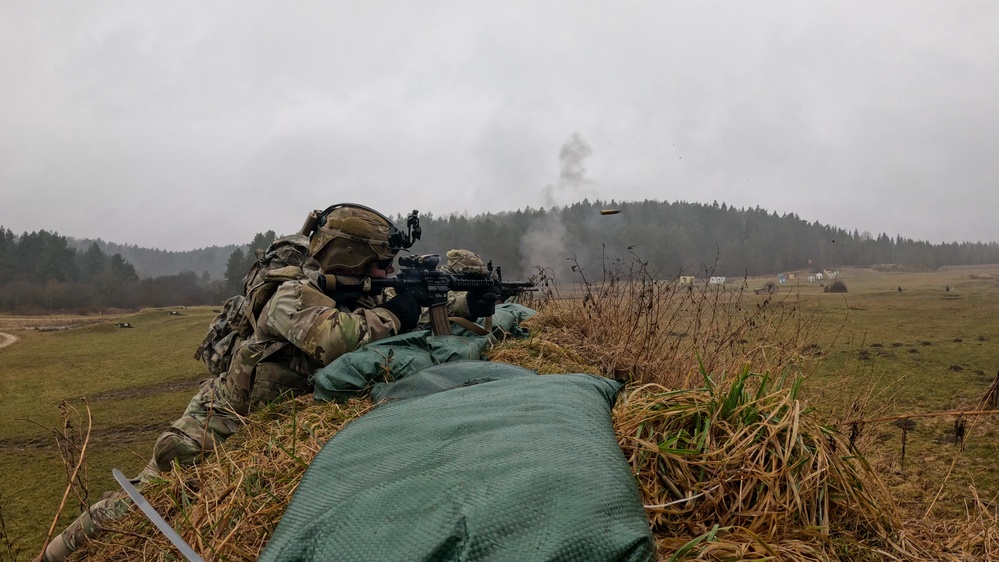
{"x": 180, "y": 125}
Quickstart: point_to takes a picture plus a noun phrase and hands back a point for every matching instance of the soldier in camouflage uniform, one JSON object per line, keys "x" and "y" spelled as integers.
{"x": 462, "y": 261}
{"x": 299, "y": 330}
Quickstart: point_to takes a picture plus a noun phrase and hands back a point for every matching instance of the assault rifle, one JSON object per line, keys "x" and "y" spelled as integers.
{"x": 419, "y": 275}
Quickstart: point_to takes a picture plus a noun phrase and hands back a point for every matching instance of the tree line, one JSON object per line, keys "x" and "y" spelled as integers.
{"x": 154, "y": 262}
{"x": 681, "y": 238}
{"x": 43, "y": 272}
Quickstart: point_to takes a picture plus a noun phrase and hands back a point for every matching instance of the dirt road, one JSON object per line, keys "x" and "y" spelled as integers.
{"x": 6, "y": 339}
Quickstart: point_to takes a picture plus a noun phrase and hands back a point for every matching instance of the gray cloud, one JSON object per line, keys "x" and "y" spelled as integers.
{"x": 184, "y": 124}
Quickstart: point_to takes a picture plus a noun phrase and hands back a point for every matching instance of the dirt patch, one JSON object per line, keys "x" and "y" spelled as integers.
{"x": 114, "y": 435}
{"x": 151, "y": 390}
{"x": 980, "y": 267}
{"x": 6, "y": 339}
{"x": 119, "y": 435}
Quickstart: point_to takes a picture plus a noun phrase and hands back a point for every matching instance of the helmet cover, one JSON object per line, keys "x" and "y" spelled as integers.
{"x": 464, "y": 261}
{"x": 349, "y": 237}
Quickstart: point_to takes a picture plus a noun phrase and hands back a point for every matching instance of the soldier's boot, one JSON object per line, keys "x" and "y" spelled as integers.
{"x": 56, "y": 551}
{"x": 87, "y": 526}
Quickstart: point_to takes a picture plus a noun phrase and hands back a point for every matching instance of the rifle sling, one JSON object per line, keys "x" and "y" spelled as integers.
{"x": 472, "y": 326}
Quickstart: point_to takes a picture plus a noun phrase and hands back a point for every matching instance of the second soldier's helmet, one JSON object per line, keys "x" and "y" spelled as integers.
{"x": 464, "y": 261}
{"x": 346, "y": 237}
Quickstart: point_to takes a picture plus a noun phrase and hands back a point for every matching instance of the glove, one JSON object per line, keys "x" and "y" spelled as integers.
{"x": 482, "y": 302}
{"x": 406, "y": 308}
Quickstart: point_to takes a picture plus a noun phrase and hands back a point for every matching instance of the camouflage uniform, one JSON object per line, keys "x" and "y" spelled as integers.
{"x": 299, "y": 330}
{"x": 112, "y": 506}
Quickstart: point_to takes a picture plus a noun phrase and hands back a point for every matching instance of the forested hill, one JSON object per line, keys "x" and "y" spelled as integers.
{"x": 682, "y": 238}
{"x": 155, "y": 263}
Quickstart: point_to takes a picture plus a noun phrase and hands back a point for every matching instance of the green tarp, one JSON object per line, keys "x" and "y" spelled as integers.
{"x": 396, "y": 357}
{"x": 503, "y": 465}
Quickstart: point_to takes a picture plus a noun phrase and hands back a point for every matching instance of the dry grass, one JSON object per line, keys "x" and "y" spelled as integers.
{"x": 227, "y": 507}
{"x": 755, "y": 470}
{"x": 634, "y": 327}
{"x": 731, "y": 462}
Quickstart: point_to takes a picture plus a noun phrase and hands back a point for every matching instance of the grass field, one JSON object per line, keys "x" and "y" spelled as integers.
{"x": 135, "y": 381}
{"x": 923, "y": 350}
{"x": 879, "y": 353}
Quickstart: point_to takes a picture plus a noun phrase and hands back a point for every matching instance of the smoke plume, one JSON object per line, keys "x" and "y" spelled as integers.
{"x": 543, "y": 244}
{"x": 572, "y": 184}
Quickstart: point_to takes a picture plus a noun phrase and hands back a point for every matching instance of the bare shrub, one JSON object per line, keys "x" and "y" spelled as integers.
{"x": 837, "y": 286}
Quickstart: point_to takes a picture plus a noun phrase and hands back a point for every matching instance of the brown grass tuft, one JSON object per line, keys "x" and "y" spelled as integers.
{"x": 755, "y": 471}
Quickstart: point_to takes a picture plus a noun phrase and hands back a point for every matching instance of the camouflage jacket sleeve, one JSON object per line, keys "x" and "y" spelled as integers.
{"x": 310, "y": 320}
{"x": 457, "y": 304}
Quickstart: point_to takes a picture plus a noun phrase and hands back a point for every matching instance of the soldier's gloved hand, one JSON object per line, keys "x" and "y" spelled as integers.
{"x": 482, "y": 302}
{"x": 406, "y": 308}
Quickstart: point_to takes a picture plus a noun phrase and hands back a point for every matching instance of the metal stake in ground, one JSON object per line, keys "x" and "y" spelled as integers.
{"x": 156, "y": 518}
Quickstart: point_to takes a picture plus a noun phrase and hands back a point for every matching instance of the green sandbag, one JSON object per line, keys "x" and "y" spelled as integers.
{"x": 399, "y": 356}
{"x": 521, "y": 468}
{"x": 506, "y": 321}
{"x": 390, "y": 359}
{"x": 445, "y": 377}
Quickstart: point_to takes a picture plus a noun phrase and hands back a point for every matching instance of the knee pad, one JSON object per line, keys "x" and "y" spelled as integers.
{"x": 178, "y": 446}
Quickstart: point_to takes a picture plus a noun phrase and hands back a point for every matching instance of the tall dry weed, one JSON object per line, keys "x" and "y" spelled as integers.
{"x": 746, "y": 468}
{"x": 632, "y": 325}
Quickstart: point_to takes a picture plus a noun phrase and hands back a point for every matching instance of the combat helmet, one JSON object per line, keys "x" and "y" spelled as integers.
{"x": 464, "y": 261}
{"x": 346, "y": 237}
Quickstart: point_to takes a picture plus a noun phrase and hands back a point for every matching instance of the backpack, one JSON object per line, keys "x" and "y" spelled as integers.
{"x": 281, "y": 261}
